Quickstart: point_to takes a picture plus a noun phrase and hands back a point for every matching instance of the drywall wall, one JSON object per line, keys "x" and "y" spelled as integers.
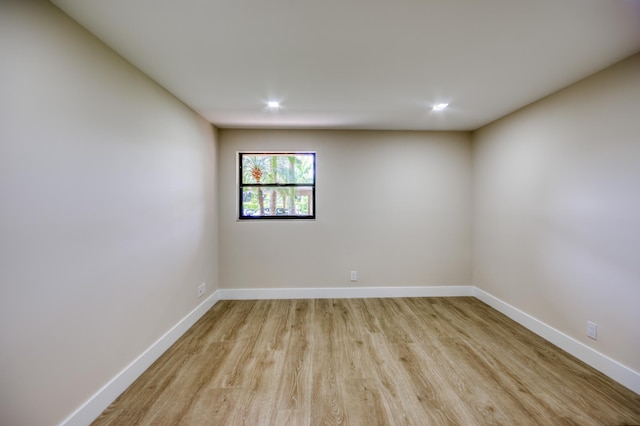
{"x": 394, "y": 206}
{"x": 107, "y": 213}
{"x": 557, "y": 208}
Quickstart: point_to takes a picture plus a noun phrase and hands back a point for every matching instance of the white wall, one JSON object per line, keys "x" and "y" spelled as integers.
{"x": 557, "y": 210}
{"x": 395, "y": 206}
{"x": 107, "y": 213}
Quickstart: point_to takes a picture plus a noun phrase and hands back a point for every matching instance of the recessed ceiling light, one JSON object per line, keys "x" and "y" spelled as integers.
{"x": 440, "y": 107}
{"x": 273, "y": 104}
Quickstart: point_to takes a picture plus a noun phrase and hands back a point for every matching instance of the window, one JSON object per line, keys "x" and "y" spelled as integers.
{"x": 277, "y": 185}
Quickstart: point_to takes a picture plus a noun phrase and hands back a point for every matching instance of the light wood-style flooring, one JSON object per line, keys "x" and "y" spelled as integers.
{"x": 405, "y": 361}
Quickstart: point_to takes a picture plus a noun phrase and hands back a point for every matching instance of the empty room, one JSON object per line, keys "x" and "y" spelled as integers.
{"x": 217, "y": 212}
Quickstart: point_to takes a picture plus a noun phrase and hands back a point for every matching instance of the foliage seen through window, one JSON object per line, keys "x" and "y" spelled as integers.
{"x": 277, "y": 185}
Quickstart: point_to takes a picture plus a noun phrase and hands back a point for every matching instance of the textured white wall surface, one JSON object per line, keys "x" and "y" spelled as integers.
{"x": 107, "y": 213}
{"x": 394, "y": 206}
{"x": 557, "y": 210}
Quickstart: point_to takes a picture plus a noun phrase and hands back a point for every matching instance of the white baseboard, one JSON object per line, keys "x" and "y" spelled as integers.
{"x": 612, "y": 368}
{"x": 95, "y": 405}
{"x": 344, "y": 292}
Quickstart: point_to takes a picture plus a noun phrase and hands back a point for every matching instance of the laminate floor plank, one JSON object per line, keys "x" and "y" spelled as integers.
{"x": 399, "y": 390}
{"x": 294, "y": 390}
{"x": 260, "y": 367}
{"x": 329, "y": 365}
{"x": 405, "y": 361}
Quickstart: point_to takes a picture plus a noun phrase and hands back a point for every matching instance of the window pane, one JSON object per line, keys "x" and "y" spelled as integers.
{"x": 277, "y": 168}
{"x": 277, "y": 201}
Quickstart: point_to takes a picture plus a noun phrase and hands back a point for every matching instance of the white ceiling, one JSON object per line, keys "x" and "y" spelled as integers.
{"x": 363, "y": 64}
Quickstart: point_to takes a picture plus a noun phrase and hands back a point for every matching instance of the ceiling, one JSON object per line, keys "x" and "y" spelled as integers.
{"x": 363, "y": 64}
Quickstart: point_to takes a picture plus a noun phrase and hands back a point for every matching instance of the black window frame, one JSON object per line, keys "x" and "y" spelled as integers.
{"x": 242, "y": 185}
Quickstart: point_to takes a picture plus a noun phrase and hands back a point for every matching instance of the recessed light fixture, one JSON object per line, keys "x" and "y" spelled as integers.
{"x": 440, "y": 107}
{"x": 273, "y": 104}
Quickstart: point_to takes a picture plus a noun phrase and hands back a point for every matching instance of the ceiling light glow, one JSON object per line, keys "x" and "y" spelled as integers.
{"x": 440, "y": 107}
{"x": 273, "y": 104}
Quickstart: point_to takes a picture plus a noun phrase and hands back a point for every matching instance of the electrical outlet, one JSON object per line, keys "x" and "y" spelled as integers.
{"x": 201, "y": 290}
{"x": 592, "y": 330}
{"x": 354, "y": 275}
